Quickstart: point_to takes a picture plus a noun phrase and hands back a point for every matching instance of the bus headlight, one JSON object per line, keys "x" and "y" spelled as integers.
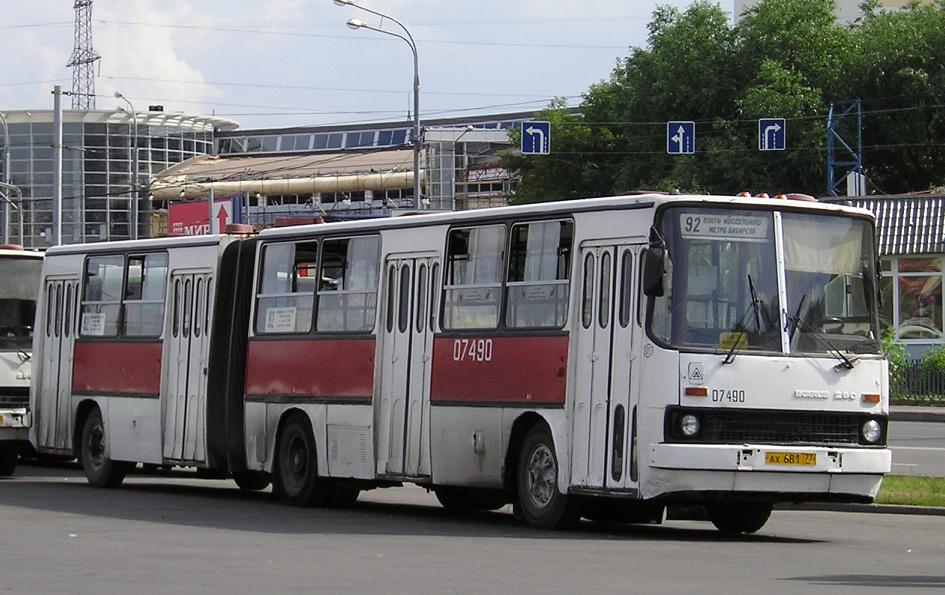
{"x": 872, "y": 431}
{"x": 689, "y": 425}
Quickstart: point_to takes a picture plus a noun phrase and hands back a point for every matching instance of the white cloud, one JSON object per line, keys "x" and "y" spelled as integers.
{"x": 131, "y": 53}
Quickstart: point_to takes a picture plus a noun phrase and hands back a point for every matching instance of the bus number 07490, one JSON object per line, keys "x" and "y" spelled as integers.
{"x": 475, "y": 350}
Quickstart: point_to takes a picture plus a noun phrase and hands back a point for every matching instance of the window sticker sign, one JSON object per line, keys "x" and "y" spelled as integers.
{"x": 731, "y": 227}
{"x": 93, "y": 325}
{"x": 280, "y": 320}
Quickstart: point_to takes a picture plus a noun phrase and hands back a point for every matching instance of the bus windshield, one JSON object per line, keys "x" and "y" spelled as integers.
{"x": 722, "y": 288}
{"x": 18, "y": 300}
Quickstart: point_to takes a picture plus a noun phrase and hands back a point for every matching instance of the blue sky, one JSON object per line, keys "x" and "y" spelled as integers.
{"x": 271, "y": 63}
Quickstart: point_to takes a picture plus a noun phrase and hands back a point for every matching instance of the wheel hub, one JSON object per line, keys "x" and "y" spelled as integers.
{"x": 542, "y": 474}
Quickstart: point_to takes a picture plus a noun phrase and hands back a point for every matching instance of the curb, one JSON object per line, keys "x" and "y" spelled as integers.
{"x": 870, "y": 508}
{"x": 928, "y": 414}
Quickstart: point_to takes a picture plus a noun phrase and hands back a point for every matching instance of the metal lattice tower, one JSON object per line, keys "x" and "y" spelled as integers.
{"x": 83, "y": 58}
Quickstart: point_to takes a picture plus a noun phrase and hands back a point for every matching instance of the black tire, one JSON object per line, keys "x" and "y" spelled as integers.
{"x": 464, "y": 499}
{"x": 251, "y": 481}
{"x": 540, "y": 502}
{"x": 9, "y": 455}
{"x": 343, "y": 496}
{"x": 614, "y": 511}
{"x": 295, "y": 471}
{"x": 739, "y": 517}
{"x": 100, "y": 470}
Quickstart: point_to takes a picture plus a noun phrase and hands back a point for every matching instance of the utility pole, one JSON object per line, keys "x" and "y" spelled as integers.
{"x": 83, "y": 58}
{"x": 5, "y": 235}
{"x": 57, "y": 166}
{"x": 210, "y": 211}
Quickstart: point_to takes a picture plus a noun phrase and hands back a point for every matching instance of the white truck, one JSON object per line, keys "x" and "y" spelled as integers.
{"x": 19, "y": 284}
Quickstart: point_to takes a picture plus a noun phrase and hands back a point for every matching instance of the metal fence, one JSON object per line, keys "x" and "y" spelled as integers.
{"x": 919, "y": 386}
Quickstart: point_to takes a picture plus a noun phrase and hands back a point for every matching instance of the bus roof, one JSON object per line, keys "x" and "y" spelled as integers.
{"x": 6, "y": 253}
{"x": 423, "y": 218}
{"x": 556, "y": 207}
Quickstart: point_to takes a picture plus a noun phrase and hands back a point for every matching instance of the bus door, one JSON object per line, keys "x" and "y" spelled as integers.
{"x": 602, "y": 395}
{"x": 55, "y": 391}
{"x": 403, "y": 410}
{"x": 187, "y": 345}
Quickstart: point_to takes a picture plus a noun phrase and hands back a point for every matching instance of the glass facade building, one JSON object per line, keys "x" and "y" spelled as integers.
{"x": 97, "y": 176}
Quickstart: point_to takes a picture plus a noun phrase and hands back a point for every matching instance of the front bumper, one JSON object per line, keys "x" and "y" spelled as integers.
{"x": 14, "y": 424}
{"x": 751, "y": 457}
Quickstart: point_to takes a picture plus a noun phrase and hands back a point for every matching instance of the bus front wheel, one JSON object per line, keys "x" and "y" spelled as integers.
{"x": 295, "y": 473}
{"x": 739, "y": 517}
{"x": 100, "y": 469}
{"x": 540, "y": 502}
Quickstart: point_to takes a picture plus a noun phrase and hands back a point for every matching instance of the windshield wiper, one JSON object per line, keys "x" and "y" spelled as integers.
{"x": 755, "y": 303}
{"x": 24, "y": 355}
{"x": 845, "y": 362}
{"x": 792, "y": 325}
{"x": 755, "y": 307}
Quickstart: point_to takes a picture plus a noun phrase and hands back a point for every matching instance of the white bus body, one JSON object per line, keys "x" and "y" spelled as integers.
{"x": 20, "y": 273}
{"x": 539, "y": 355}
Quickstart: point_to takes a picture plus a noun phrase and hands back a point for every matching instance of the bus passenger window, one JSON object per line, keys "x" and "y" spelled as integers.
{"x": 403, "y": 313}
{"x": 287, "y": 282}
{"x": 421, "y": 296}
{"x": 58, "y": 327}
{"x": 145, "y": 288}
{"x": 198, "y": 307}
{"x": 434, "y": 292}
{"x": 587, "y": 298}
{"x": 626, "y": 287}
{"x": 347, "y": 292}
{"x": 175, "y": 329}
{"x": 67, "y": 316}
{"x": 471, "y": 296}
{"x": 188, "y": 309}
{"x": 603, "y": 314}
{"x": 101, "y": 299}
{"x": 539, "y": 274}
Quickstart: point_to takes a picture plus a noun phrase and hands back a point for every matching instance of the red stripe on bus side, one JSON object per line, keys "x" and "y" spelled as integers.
{"x": 132, "y": 368}
{"x": 518, "y": 370}
{"x": 328, "y": 368}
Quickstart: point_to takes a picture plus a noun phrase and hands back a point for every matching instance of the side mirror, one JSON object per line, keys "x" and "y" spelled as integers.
{"x": 654, "y": 266}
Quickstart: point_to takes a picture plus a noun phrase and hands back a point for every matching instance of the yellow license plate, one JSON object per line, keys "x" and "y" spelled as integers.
{"x": 799, "y": 459}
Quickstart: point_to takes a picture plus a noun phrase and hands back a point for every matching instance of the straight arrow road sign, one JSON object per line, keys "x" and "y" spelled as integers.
{"x": 680, "y": 138}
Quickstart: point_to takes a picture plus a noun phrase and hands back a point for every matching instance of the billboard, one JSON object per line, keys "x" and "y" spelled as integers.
{"x": 192, "y": 217}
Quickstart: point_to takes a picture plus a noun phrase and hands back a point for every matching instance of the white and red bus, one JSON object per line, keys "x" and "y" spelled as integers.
{"x": 602, "y": 358}
{"x": 19, "y": 283}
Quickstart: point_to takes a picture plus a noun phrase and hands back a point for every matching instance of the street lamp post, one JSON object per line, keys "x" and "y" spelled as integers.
{"x": 408, "y": 38}
{"x": 5, "y": 237}
{"x": 134, "y": 166}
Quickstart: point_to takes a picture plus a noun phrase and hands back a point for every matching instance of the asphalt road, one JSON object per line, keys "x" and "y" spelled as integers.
{"x": 57, "y": 535}
{"x": 918, "y": 448}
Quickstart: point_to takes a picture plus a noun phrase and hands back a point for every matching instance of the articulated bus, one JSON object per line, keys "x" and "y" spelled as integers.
{"x": 602, "y": 358}
{"x": 20, "y": 273}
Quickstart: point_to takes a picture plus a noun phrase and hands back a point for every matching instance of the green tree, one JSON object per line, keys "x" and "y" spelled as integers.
{"x": 785, "y": 58}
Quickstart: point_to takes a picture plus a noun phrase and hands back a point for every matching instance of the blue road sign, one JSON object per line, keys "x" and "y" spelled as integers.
{"x": 680, "y": 138}
{"x": 772, "y": 134}
{"x": 536, "y": 138}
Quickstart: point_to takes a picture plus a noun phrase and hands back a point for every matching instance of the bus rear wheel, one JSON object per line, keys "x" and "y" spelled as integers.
{"x": 251, "y": 481}
{"x": 295, "y": 472}
{"x": 539, "y": 501}
{"x": 739, "y": 517}
{"x": 462, "y": 499}
{"x": 100, "y": 470}
{"x": 9, "y": 455}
